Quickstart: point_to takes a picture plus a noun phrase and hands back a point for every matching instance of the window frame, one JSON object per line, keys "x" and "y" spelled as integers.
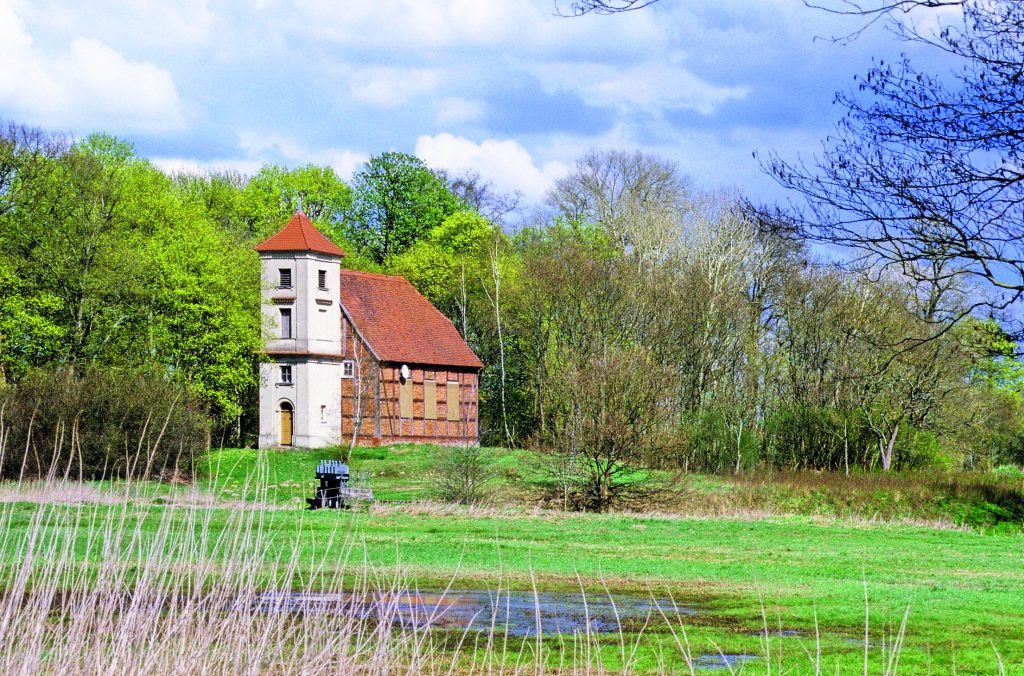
{"x": 406, "y": 399}
{"x": 348, "y": 369}
{"x": 286, "y": 375}
{"x": 289, "y": 324}
{"x": 453, "y": 414}
{"x": 429, "y": 399}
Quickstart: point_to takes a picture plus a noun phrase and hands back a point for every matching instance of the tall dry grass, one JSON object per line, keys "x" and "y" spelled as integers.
{"x": 128, "y": 588}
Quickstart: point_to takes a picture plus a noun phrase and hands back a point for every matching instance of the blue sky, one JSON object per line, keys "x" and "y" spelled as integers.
{"x": 502, "y": 87}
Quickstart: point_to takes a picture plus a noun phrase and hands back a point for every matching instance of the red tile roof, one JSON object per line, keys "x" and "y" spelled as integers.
{"x": 401, "y": 325}
{"x": 299, "y": 234}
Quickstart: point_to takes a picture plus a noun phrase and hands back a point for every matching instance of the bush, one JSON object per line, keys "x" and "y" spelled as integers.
{"x": 462, "y": 473}
{"x": 1012, "y": 472}
{"x": 99, "y": 424}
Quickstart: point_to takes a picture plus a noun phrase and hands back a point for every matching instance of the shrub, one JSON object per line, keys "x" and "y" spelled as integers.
{"x": 462, "y": 473}
{"x": 1012, "y": 472}
{"x": 99, "y": 424}
{"x": 714, "y": 441}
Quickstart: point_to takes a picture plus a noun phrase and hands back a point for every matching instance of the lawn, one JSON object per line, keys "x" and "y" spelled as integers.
{"x": 799, "y": 574}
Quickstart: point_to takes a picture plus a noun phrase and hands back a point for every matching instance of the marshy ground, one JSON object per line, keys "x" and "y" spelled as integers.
{"x": 789, "y": 590}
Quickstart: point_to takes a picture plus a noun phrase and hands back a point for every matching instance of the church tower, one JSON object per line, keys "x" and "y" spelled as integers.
{"x": 300, "y": 391}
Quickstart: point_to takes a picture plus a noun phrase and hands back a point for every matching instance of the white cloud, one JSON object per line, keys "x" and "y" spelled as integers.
{"x": 388, "y": 87}
{"x": 90, "y": 84}
{"x": 273, "y": 148}
{"x": 650, "y": 86}
{"x": 506, "y": 163}
{"x": 512, "y": 26}
{"x": 455, "y": 110}
{"x": 139, "y": 23}
{"x": 413, "y": 23}
{"x": 175, "y": 165}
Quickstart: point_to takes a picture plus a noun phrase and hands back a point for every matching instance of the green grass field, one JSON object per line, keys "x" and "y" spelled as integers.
{"x": 799, "y": 574}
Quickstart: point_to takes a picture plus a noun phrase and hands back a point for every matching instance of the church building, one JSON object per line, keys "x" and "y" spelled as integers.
{"x": 356, "y": 354}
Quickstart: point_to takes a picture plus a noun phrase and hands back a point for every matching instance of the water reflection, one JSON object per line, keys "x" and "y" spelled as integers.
{"x": 517, "y": 613}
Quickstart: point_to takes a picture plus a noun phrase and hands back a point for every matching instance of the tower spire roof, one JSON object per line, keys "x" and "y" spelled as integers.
{"x": 299, "y": 234}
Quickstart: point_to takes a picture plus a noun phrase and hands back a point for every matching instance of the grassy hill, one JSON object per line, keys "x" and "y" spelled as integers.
{"x": 983, "y": 502}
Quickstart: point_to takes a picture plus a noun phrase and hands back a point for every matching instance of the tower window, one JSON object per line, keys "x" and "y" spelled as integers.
{"x": 286, "y": 322}
{"x": 286, "y": 375}
{"x": 321, "y": 279}
{"x": 286, "y": 278}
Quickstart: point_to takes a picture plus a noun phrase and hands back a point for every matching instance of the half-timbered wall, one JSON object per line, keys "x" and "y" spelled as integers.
{"x": 371, "y": 400}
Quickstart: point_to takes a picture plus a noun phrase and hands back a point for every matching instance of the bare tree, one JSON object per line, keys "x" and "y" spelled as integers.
{"x": 480, "y": 194}
{"x": 611, "y": 415}
{"x": 462, "y": 474}
{"x": 926, "y": 173}
{"x": 495, "y": 301}
{"x": 638, "y": 199}
{"x": 364, "y": 376}
{"x": 581, "y": 7}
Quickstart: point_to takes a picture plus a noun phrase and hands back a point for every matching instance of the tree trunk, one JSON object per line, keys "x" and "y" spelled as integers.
{"x": 885, "y": 448}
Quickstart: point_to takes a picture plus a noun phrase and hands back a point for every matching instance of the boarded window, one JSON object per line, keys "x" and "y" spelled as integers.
{"x": 405, "y": 398}
{"x": 430, "y": 400}
{"x": 285, "y": 281}
{"x": 453, "y": 401}
{"x": 321, "y": 279}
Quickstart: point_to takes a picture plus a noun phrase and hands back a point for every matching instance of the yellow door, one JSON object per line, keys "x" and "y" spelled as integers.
{"x": 286, "y": 424}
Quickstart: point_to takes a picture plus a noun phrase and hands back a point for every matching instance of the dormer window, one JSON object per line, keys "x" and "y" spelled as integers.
{"x": 286, "y": 278}
{"x": 321, "y": 278}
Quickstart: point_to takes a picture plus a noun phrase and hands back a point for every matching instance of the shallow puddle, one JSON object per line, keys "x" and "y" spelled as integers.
{"x": 730, "y": 661}
{"x": 519, "y": 613}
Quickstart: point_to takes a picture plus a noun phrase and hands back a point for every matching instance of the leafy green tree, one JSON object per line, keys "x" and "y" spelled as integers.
{"x": 447, "y": 261}
{"x": 275, "y": 193}
{"x": 396, "y": 201}
{"x": 28, "y": 335}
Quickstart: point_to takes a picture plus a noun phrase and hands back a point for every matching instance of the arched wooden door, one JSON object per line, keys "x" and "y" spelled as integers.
{"x": 286, "y": 423}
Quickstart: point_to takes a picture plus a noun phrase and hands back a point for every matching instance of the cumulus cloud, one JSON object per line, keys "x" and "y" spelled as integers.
{"x": 88, "y": 84}
{"x": 504, "y": 162}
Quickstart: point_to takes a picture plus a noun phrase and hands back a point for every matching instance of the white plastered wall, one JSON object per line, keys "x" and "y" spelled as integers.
{"x": 315, "y": 390}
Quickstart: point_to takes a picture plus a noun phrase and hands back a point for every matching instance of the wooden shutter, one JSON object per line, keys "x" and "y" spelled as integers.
{"x": 430, "y": 400}
{"x": 405, "y": 399}
{"x": 452, "y": 402}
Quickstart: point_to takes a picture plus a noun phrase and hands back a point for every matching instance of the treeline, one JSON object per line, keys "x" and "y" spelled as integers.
{"x": 633, "y": 321}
